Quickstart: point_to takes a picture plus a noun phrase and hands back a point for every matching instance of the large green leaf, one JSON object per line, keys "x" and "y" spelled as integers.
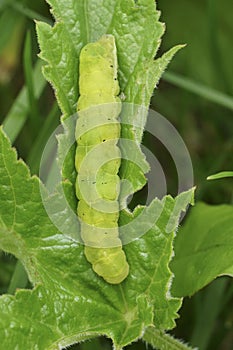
{"x": 203, "y": 248}
{"x": 70, "y": 302}
{"x": 137, "y": 31}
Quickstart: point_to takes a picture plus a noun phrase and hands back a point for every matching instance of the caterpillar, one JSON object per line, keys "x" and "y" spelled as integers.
{"x": 98, "y": 159}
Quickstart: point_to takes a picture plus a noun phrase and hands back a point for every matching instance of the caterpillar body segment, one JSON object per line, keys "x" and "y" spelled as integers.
{"x": 98, "y": 159}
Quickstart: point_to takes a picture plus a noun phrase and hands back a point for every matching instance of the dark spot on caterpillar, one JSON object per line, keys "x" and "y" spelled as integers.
{"x": 93, "y": 182}
{"x": 104, "y": 140}
{"x": 115, "y": 78}
{"x": 111, "y": 65}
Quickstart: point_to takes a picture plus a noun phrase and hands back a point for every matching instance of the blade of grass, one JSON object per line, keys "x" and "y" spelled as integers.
{"x": 48, "y": 127}
{"x": 28, "y": 74}
{"x": 208, "y": 307}
{"x": 220, "y": 175}
{"x": 199, "y": 89}
{"x": 20, "y": 8}
{"x": 17, "y": 116}
{"x": 215, "y": 50}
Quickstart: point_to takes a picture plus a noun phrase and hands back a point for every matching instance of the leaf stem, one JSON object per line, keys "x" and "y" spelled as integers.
{"x": 162, "y": 341}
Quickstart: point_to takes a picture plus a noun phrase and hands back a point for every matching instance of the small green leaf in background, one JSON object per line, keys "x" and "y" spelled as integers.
{"x": 220, "y": 175}
{"x": 203, "y": 248}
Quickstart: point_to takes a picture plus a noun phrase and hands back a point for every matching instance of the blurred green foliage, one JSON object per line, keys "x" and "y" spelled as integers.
{"x": 207, "y": 128}
{"x": 206, "y": 27}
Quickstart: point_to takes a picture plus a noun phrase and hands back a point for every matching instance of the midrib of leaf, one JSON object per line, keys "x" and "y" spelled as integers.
{"x": 47, "y": 276}
{"x": 126, "y": 310}
{"x": 156, "y": 269}
{"x": 112, "y": 19}
{"x": 112, "y": 26}
{"x": 123, "y": 297}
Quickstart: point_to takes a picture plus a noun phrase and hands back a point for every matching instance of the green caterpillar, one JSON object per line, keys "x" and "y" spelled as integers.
{"x": 98, "y": 159}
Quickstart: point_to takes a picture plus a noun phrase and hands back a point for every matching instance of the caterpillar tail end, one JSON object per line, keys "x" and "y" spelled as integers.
{"x": 109, "y": 263}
